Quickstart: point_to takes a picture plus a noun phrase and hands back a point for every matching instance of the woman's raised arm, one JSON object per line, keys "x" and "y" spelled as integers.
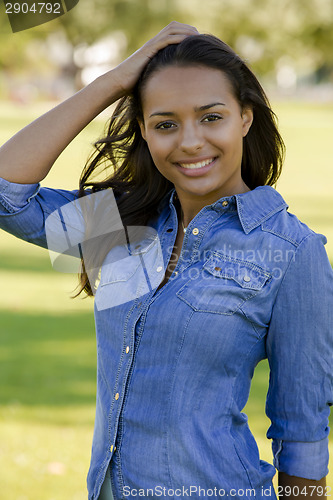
{"x": 29, "y": 155}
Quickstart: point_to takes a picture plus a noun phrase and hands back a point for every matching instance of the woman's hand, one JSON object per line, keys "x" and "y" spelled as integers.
{"x": 127, "y": 73}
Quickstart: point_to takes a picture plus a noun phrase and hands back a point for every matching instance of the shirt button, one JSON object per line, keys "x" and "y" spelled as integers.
{"x": 176, "y": 273}
{"x": 247, "y": 279}
{"x": 111, "y": 448}
{"x": 159, "y": 269}
{"x": 225, "y": 203}
{"x": 217, "y": 269}
{"x": 116, "y": 396}
{"x": 127, "y": 349}
{"x": 195, "y": 231}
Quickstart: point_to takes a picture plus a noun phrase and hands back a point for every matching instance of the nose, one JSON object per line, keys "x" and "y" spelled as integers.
{"x": 191, "y": 139}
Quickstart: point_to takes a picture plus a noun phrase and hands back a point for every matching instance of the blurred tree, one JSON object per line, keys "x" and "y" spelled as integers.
{"x": 315, "y": 33}
{"x": 86, "y": 23}
{"x": 265, "y": 32}
{"x": 139, "y": 20}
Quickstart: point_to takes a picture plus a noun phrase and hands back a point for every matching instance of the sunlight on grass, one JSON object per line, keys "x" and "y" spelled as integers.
{"x": 307, "y": 178}
{"x": 56, "y": 290}
{"x": 47, "y": 399}
{"x": 44, "y": 462}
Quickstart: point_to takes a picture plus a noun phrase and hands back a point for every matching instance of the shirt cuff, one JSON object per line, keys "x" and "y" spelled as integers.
{"x": 14, "y": 196}
{"x": 307, "y": 460}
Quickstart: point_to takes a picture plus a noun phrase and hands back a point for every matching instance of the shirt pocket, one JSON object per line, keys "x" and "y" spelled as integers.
{"x": 223, "y": 285}
{"x": 129, "y": 272}
{"x": 120, "y": 271}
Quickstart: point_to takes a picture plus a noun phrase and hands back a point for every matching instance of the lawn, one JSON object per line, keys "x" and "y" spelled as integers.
{"x": 47, "y": 339}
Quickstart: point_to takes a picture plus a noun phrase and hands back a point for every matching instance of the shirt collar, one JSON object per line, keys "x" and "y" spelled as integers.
{"x": 258, "y": 205}
{"x": 253, "y": 207}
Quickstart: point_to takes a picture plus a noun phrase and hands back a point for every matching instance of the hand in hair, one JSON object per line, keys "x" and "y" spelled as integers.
{"x": 128, "y": 72}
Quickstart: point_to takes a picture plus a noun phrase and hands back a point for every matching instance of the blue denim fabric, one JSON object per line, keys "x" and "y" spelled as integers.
{"x": 175, "y": 364}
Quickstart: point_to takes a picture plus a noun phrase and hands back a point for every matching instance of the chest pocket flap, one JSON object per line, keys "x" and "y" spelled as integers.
{"x": 245, "y": 274}
{"x": 130, "y": 271}
{"x": 225, "y": 283}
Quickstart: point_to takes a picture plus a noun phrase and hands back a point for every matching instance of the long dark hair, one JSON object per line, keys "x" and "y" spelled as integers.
{"x": 124, "y": 156}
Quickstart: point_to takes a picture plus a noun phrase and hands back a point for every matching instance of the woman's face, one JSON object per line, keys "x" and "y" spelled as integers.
{"x": 194, "y": 129}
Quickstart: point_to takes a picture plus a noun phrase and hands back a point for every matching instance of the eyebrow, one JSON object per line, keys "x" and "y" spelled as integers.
{"x": 201, "y": 108}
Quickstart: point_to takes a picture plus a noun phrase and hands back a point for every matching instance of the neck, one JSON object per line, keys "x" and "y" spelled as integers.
{"x": 191, "y": 205}
{"x": 188, "y": 213}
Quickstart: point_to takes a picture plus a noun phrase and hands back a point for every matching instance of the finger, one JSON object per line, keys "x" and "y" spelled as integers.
{"x": 177, "y": 25}
{"x": 176, "y": 35}
{"x": 179, "y": 28}
{"x": 171, "y": 39}
{"x": 170, "y": 35}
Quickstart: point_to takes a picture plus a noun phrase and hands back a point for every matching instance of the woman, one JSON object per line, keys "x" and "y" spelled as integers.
{"x": 195, "y": 150}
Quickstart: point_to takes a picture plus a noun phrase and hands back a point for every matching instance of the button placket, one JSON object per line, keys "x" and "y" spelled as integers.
{"x": 124, "y": 370}
{"x": 205, "y": 220}
{"x": 127, "y": 367}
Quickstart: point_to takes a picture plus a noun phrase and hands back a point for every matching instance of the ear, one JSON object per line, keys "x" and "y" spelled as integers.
{"x": 247, "y": 117}
{"x": 142, "y": 128}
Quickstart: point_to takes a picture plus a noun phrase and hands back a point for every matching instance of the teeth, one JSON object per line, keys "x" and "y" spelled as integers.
{"x": 196, "y": 165}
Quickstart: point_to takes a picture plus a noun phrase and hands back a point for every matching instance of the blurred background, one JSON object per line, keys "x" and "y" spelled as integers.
{"x": 47, "y": 339}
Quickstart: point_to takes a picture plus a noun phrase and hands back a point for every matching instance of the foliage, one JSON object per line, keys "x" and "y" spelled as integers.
{"x": 263, "y": 31}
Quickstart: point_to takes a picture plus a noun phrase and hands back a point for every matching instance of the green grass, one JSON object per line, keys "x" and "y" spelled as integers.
{"x": 47, "y": 339}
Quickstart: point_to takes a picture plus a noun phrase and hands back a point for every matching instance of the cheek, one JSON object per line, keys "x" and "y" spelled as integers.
{"x": 157, "y": 156}
{"x": 160, "y": 149}
{"x": 231, "y": 141}
{"x": 160, "y": 159}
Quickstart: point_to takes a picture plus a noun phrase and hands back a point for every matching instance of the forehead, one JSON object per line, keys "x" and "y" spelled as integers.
{"x": 176, "y": 87}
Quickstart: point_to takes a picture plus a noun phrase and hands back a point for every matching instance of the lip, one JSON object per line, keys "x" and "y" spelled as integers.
{"x": 197, "y": 171}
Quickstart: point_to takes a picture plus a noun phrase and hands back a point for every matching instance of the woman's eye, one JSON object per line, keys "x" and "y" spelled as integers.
{"x": 212, "y": 118}
{"x": 165, "y": 125}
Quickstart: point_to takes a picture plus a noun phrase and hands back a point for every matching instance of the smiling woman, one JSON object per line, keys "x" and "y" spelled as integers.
{"x": 199, "y": 148}
{"x": 187, "y": 305}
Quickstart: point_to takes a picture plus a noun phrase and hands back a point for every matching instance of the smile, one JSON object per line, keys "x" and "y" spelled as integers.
{"x": 194, "y": 166}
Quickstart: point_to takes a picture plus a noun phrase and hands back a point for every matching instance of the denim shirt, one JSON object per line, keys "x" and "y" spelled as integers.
{"x": 175, "y": 364}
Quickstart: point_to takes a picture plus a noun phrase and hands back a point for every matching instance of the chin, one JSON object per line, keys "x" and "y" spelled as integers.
{"x": 202, "y": 190}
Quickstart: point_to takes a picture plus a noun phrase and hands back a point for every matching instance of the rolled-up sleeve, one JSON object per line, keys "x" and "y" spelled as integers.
{"x": 301, "y": 459}
{"x": 14, "y": 196}
{"x": 300, "y": 354}
{"x": 25, "y": 207}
